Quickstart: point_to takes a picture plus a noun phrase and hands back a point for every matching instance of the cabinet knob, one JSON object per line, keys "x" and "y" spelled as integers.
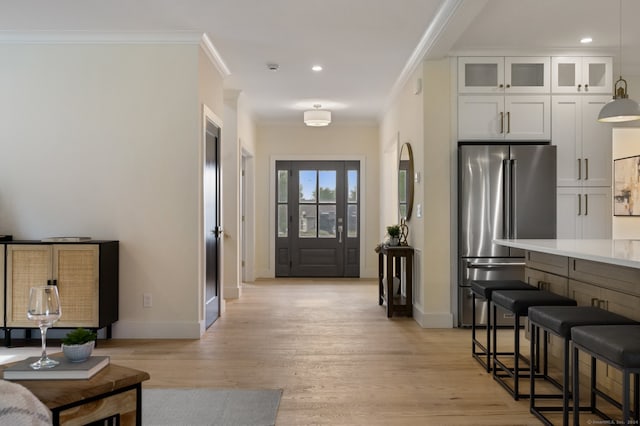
{"x": 508, "y": 85}
{"x": 586, "y": 87}
{"x": 501, "y": 86}
{"x": 579, "y": 87}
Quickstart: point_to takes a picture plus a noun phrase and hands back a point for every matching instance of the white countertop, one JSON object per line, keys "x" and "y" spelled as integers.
{"x": 615, "y": 252}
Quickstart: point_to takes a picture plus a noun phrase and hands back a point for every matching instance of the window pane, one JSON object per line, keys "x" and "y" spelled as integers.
{"x": 307, "y": 179}
{"x": 352, "y": 221}
{"x": 327, "y": 186}
{"x": 308, "y": 221}
{"x": 327, "y": 222}
{"x": 283, "y": 222}
{"x": 352, "y": 178}
{"x": 402, "y": 186}
{"x": 283, "y": 181}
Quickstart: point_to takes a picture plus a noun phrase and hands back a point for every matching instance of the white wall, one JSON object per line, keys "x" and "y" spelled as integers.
{"x": 421, "y": 115}
{"x": 104, "y": 141}
{"x": 301, "y": 142}
{"x": 238, "y": 139}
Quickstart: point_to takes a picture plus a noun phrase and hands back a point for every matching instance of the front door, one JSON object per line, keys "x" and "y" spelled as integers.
{"x": 212, "y": 222}
{"x": 318, "y": 215}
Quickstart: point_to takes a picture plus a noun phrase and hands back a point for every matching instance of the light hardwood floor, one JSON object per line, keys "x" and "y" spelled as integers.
{"x": 337, "y": 357}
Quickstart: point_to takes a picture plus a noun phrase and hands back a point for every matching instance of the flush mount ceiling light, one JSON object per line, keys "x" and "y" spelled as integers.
{"x": 621, "y": 108}
{"x": 317, "y": 117}
{"x": 586, "y": 40}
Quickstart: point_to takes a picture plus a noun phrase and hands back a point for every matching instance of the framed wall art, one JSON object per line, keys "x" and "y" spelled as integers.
{"x": 626, "y": 186}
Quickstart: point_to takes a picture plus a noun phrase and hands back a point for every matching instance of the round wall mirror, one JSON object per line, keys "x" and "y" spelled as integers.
{"x": 405, "y": 182}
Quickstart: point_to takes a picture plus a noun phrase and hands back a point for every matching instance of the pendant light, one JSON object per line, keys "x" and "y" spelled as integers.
{"x": 317, "y": 117}
{"x": 621, "y": 108}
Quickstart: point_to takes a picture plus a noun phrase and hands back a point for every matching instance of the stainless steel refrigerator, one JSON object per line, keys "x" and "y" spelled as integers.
{"x": 504, "y": 191}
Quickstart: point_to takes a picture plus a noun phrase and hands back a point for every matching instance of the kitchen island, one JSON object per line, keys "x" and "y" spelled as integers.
{"x": 602, "y": 273}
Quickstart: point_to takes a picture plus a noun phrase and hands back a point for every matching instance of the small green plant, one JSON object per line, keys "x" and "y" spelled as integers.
{"x": 79, "y": 336}
{"x": 393, "y": 231}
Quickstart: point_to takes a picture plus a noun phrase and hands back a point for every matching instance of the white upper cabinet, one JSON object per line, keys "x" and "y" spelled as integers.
{"x": 498, "y": 117}
{"x": 572, "y": 74}
{"x": 493, "y": 75}
{"x": 584, "y": 144}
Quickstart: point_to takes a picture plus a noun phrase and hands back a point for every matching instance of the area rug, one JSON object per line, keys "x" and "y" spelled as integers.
{"x": 199, "y": 407}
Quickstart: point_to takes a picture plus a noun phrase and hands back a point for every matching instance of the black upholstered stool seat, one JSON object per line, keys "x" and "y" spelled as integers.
{"x": 483, "y": 289}
{"x": 616, "y": 345}
{"x": 560, "y": 320}
{"x": 518, "y": 302}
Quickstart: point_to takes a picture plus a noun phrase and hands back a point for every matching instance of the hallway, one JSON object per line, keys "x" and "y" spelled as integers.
{"x": 338, "y": 358}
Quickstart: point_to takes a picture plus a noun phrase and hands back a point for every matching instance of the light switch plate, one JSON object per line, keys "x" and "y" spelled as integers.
{"x": 419, "y": 210}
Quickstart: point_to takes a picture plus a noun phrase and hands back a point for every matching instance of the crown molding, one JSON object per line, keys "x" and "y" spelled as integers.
{"x": 93, "y": 37}
{"x": 431, "y": 35}
{"x": 214, "y": 56}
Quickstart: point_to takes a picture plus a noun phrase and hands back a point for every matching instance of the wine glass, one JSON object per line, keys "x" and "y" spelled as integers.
{"x": 44, "y": 309}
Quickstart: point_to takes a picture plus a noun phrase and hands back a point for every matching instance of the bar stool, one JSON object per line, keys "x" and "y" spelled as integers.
{"x": 518, "y": 303}
{"x": 484, "y": 289}
{"x": 559, "y": 320}
{"x": 618, "y": 346}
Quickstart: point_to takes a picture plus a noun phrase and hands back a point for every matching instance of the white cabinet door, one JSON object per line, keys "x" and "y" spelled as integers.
{"x": 567, "y": 218}
{"x": 574, "y": 74}
{"x": 481, "y": 117}
{"x": 527, "y": 74}
{"x": 596, "y": 143}
{"x": 481, "y": 74}
{"x": 584, "y": 213}
{"x": 597, "y": 74}
{"x": 584, "y": 144}
{"x": 566, "y": 134}
{"x": 2, "y": 247}
{"x": 596, "y": 213}
{"x": 528, "y": 117}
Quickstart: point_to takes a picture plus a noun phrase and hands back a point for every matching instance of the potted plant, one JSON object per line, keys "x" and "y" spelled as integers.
{"x": 78, "y": 344}
{"x": 394, "y": 234}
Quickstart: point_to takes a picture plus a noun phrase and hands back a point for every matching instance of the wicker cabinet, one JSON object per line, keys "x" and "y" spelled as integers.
{"x": 86, "y": 275}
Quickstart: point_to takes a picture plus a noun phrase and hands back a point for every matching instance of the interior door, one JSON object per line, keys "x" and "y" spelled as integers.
{"x": 318, "y": 215}
{"x": 212, "y": 222}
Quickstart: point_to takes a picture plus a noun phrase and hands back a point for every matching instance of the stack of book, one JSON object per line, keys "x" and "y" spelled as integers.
{"x": 66, "y": 370}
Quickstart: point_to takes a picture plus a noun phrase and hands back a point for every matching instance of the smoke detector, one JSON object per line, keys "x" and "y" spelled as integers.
{"x": 273, "y": 67}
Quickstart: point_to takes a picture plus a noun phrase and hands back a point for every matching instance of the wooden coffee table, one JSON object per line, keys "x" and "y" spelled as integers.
{"x": 114, "y": 395}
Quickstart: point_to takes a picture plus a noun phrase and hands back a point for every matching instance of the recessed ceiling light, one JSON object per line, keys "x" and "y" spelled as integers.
{"x": 585, "y": 40}
{"x": 317, "y": 68}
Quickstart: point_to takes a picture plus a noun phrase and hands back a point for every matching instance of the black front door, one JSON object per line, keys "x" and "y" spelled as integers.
{"x": 212, "y": 222}
{"x": 318, "y": 215}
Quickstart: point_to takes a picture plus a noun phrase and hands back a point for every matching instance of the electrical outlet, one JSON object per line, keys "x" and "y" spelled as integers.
{"x": 147, "y": 301}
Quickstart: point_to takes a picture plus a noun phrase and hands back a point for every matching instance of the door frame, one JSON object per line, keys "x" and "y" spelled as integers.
{"x": 272, "y": 201}
{"x": 207, "y": 114}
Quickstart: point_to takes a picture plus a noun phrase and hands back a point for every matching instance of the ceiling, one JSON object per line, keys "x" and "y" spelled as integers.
{"x": 366, "y": 47}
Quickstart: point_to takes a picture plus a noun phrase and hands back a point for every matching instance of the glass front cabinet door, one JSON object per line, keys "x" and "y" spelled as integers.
{"x": 517, "y": 75}
{"x": 572, "y": 74}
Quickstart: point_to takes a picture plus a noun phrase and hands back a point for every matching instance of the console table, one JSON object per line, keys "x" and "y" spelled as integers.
{"x": 112, "y": 396}
{"x": 396, "y": 303}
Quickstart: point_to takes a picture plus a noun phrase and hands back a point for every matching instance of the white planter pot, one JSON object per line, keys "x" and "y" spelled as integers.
{"x": 78, "y": 353}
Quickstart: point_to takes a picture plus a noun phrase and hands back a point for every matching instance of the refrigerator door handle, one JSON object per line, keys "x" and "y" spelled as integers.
{"x": 484, "y": 265}
{"x": 506, "y": 191}
{"x": 513, "y": 212}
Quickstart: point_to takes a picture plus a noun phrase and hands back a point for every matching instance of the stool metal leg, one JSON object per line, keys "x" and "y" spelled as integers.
{"x": 565, "y": 383}
{"x": 576, "y": 388}
{"x": 516, "y": 358}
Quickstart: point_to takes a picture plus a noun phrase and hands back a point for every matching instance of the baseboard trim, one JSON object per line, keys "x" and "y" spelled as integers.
{"x": 156, "y": 330}
{"x": 233, "y": 292}
{"x": 432, "y": 320}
